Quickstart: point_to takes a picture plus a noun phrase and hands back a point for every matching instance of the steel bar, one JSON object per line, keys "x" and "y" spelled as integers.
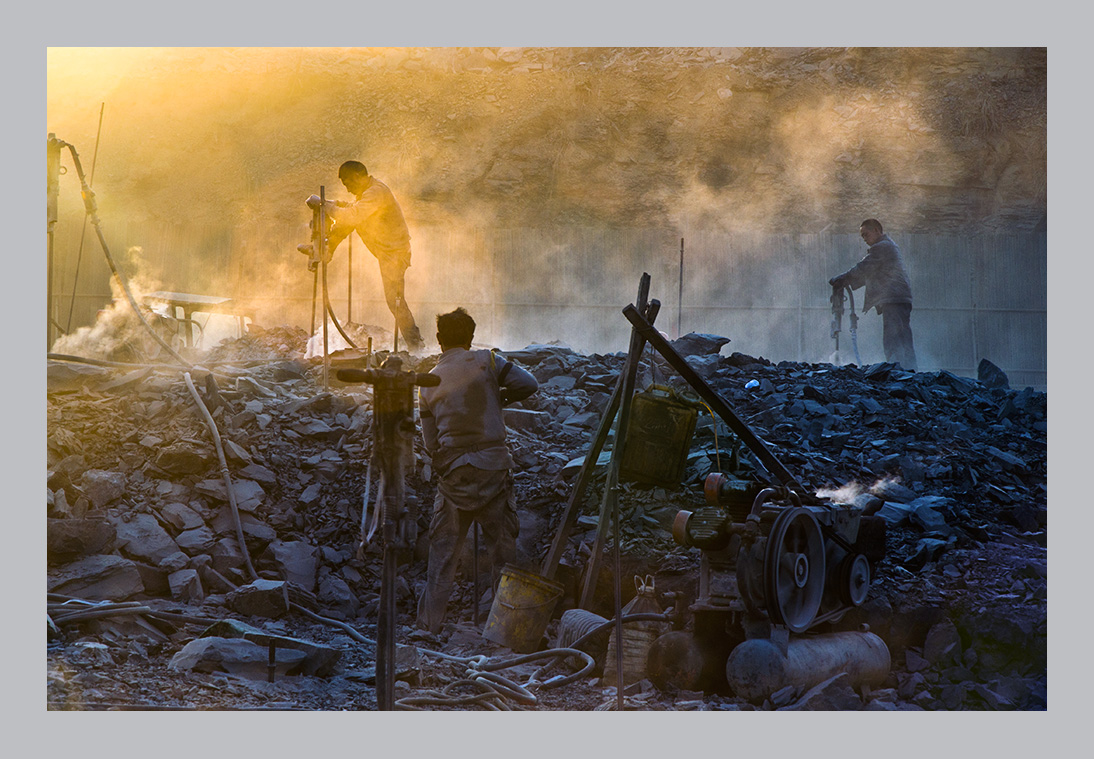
{"x": 593, "y": 566}
{"x": 83, "y": 229}
{"x": 323, "y": 263}
{"x": 715, "y": 401}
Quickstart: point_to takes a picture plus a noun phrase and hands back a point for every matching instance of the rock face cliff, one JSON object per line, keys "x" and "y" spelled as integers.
{"x": 942, "y": 140}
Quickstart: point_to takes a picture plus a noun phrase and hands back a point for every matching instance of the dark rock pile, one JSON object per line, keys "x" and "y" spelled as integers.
{"x": 139, "y": 519}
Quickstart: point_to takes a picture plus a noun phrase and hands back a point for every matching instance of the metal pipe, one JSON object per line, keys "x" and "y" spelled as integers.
{"x": 592, "y": 569}
{"x": 53, "y": 187}
{"x": 83, "y": 228}
{"x": 323, "y": 263}
{"x": 680, "y": 294}
{"x": 89, "y": 206}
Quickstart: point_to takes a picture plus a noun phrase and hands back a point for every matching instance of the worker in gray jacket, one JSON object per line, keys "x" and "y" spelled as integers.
{"x": 464, "y": 432}
{"x": 887, "y": 289}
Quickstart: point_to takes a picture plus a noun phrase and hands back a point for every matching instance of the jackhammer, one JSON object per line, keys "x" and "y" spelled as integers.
{"x": 392, "y": 450}
{"x": 837, "y": 299}
{"x": 319, "y": 255}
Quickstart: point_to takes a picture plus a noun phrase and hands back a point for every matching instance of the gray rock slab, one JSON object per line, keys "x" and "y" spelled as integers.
{"x": 928, "y": 519}
{"x": 248, "y": 493}
{"x": 335, "y": 593}
{"x": 97, "y": 578}
{"x": 186, "y": 586}
{"x": 697, "y": 343}
{"x": 255, "y": 531}
{"x": 895, "y": 514}
{"x": 583, "y": 420}
{"x": 235, "y": 656}
{"x": 560, "y": 382}
{"x": 943, "y": 643}
{"x": 226, "y": 555}
{"x": 296, "y": 560}
{"x": 258, "y": 473}
{"x": 141, "y": 538}
{"x": 525, "y": 419}
{"x": 196, "y": 541}
{"x": 311, "y": 493}
{"x": 180, "y": 516}
{"x": 101, "y": 487}
{"x": 70, "y": 539}
{"x": 260, "y": 598}
{"x": 319, "y": 659}
{"x": 183, "y": 459}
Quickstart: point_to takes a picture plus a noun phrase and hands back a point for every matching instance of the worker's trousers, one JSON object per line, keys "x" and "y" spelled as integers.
{"x": 466, "y": 495}
{"x": 896, "y": 335}
{"x": 393, "y": 275}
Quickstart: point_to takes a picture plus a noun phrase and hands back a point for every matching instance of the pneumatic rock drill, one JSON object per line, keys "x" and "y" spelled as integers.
{"x": 392, "y": 448}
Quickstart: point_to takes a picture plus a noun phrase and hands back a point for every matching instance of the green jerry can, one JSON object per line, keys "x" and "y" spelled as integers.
{"x": 659, "y": 437}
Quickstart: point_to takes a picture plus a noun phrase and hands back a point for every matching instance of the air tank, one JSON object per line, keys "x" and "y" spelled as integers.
{"x": 758, "y": 667}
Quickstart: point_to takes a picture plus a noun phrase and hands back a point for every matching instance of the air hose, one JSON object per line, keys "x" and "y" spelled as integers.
{"x": 224, "y": 471}
{"x": 330, "y": 312}
{"x": 90, "y": 206}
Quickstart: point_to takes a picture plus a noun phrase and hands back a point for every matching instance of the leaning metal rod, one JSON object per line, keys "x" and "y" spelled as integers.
{"x": 635, "y": 355}
{"x": 716, "y": 402}
{"x": 53, "y": 188}
{"x": 89, "y": 205}
{"x": 680, "y": 293}
{"x": 592, "y": 571}
{"x": 314, "y": 297}
{"x": 83, "y": 229}
{"x": 323, "y": 263}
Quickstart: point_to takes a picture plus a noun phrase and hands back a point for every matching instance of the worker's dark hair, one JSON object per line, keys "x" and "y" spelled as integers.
{"x": 873, "y": 224}
{"x": 455, "y": 329}
{"x": 352, "y": 167}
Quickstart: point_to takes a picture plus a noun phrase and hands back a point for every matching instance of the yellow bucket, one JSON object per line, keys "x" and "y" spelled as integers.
{"x": 521, "y": 610}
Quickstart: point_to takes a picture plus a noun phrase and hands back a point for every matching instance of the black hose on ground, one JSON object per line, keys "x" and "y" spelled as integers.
{"x": 212, "y": 425}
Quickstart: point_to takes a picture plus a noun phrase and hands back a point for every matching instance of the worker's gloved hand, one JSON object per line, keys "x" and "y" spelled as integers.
{"x": 313, "y": 202}
{"x": 836, "y": 281}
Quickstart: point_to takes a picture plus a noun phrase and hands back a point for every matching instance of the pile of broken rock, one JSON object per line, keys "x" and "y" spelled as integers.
{"x": 153, "y": 603}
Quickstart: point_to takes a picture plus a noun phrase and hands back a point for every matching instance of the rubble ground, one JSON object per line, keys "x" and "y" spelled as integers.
{"x": 139, "y": 516}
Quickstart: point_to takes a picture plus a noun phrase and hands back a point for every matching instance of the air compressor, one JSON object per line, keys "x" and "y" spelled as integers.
{"x": 772, "y": 573}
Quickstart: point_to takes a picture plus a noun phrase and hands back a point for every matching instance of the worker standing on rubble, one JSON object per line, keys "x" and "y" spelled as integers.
{"x": 464, "y": 432}
{"x": 379, "y": 222}
{"x": 887, "y": 289}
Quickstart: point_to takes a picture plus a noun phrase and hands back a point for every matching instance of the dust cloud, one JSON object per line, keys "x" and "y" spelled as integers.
{"x": 538, "y": 183}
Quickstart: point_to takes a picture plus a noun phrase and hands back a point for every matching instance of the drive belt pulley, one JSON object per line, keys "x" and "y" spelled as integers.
{"x": 794, "y": 569}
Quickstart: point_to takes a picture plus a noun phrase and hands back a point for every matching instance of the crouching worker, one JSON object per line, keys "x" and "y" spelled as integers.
{"x": 464, "y": 432}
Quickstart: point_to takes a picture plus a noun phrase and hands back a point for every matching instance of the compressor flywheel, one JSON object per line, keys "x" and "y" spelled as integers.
{"x": 794, "y": 569}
